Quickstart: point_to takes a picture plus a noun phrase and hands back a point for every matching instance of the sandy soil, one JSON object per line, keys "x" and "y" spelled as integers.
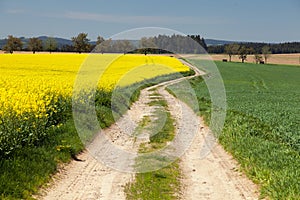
{"x": 213, "y": 177}
{"x": 217, "y": 176}
{"x": 91, "y": 179}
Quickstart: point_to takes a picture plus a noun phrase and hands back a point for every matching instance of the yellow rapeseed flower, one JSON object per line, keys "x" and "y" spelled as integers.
{"x": 33, "y": 82}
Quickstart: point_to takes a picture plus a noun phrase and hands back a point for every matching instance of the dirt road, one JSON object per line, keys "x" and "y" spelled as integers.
{"x": 92, "y": 179}
{"x": 216, "y": 176}
{"x": 213, "y": 177}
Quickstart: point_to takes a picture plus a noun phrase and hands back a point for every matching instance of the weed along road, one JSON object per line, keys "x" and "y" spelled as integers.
{"x": 215, "y": 176}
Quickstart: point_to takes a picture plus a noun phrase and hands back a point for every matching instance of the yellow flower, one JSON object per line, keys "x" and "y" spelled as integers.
{"x": 33, "y": 83}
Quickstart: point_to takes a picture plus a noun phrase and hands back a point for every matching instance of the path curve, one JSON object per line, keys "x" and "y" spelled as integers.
{"x": 214, "y": 177}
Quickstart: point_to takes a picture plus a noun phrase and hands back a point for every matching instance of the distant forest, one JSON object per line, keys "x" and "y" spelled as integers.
{"x": 288, "y": 47}
{"x": 191, "y": 44}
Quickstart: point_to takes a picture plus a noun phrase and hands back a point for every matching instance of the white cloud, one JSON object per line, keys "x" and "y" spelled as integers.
{"x": 134, "y": 19}
{"x": 15, "y": 11}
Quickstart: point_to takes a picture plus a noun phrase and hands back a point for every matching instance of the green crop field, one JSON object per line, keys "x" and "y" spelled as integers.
{"x": 262, "y": 123}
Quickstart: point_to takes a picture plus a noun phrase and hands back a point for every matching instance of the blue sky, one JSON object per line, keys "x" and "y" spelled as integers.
{"x": 241, "y": 20}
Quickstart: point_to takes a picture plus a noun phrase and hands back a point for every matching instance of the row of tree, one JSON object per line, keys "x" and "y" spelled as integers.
{"x": 159, "y": 44}
{"x": 81, "y": 43}
{"x": 288, "y": 47}
{"x": 34, "y": 44}
{"x": 243, "y": 52}
{"x": 156, "y": 45}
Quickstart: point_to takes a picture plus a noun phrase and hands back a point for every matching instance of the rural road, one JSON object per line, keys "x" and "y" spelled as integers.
{"x": 213, "y": 177}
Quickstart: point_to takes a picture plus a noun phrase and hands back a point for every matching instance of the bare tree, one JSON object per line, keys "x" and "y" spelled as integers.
{"x": 266, "y": 52}
{"x": 13, "y": 44}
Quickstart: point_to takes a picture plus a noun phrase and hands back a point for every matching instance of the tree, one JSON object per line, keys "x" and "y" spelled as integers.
{"x": 146, "y": 44}
{"x": 232, "y": 49}
{"x": 199, "y": 40}
{"x": 99, "y": 47}
{"x": 67, "y": 48}
{"x": 122, "y": 46}
{"x": 13, "y": 44}
{"x": 266, "y": 52}
{"x": 35, "y": 44}
{"x": 50, "y": 44}
{"x": 104, "y": 47}
{"x": 257, "y": 58}
{"x": 99, "y": 40}
{"x": 81, "y": 43}
{"x": 243, "y": 52}
{"x": 127, "y": 46}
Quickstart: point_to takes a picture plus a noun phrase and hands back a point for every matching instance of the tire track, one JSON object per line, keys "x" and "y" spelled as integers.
{"x": 214, "y": 177}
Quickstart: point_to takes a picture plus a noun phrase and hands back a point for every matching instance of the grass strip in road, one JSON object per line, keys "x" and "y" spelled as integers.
{"x": 165, "y": 182}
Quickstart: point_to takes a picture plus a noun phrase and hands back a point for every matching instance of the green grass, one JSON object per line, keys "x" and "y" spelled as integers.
{"x": 163, "y": 183}
{"x": 23, "y": 172}
{"x": 156, "y": 185}
{"x": 262, "y": 124}
{"x": 30, "y": 163}
{"x": 144, "y": 123}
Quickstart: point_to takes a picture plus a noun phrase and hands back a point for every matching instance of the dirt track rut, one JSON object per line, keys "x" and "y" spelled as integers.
{"x": 213, "y": 177}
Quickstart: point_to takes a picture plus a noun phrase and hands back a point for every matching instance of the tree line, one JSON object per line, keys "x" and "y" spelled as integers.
{"x": 243, "y": 51}
{"x": 81, "y": 43}
{"x": 288, "y": 47}
{"x": 190, "y": 44}
{"x": 34, "y": 44}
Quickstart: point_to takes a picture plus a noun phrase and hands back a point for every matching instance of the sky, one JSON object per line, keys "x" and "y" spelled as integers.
{"x": 238, "y": 20}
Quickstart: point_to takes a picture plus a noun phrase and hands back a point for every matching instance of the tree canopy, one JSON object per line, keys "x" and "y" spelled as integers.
{"x": 35, "y": 44}
{"x": 266, "y": 52}
{"x": 81, "y": 43}
{"x": 50, "y": 44}
{"x": 13, "y": 44}
{"x": 232, "y": 49}
{"x": 287, "y": 47}
{"x": 243, "y": 52}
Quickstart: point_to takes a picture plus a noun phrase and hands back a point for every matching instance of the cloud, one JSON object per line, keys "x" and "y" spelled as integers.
{"x": 125, "y": 19}
{"x": 15, "y": 11}
{"x": 133, "y": 19}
